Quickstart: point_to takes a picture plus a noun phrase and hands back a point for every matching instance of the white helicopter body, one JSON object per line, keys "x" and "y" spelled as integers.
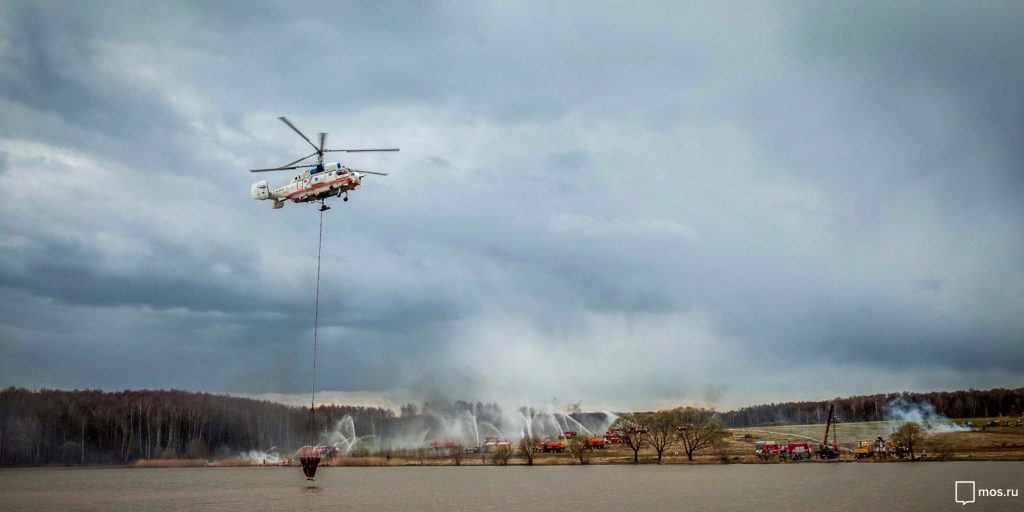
{"x": 315, "y": 182}
{"x": 311, "y": 185}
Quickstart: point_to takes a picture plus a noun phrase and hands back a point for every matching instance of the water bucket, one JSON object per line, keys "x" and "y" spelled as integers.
{"x": 309, "y": 457}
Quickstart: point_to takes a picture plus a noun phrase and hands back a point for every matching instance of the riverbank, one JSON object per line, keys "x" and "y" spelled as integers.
{"x": 737, "y": 448}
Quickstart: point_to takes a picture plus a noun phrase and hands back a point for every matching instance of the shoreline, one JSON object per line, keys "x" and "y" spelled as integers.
{"x": 994, "y": 445}
{"x": 478, "y": 464}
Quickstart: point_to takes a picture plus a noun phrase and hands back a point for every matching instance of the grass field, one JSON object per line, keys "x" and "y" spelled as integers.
{"x": 846, "y": 433}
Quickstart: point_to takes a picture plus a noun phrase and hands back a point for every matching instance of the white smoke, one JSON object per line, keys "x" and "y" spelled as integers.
{"x": 260, "y": 457}
{"x": 901, "y": 410}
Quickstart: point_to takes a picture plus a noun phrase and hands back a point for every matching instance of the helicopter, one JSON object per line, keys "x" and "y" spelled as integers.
{"x": 316, "y": 183}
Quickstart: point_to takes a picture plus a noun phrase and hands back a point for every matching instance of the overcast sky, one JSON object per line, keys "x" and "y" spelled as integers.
{"x": 625, "y": 205}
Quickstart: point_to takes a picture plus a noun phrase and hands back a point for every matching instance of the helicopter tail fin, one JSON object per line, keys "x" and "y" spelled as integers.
{"x": 260, "y": 190}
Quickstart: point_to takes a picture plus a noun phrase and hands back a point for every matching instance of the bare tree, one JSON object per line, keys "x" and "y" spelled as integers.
{"x": 721, "y": 448}
{"x": 909, "y": 433}
{"x": 529, "y": 444}
{"x": 502, "y": 453}
{"x": 663, "y": 428}
{"x": 528, "y": 448}
{"x": 699, "y": 429}
{"x": 578, "y": 446}
{"x": 457, "y": 453}
{"x": 633, "y": 434}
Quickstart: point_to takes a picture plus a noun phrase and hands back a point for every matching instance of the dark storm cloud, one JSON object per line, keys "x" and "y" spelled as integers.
{"x": 75, "y": 274}
{"x": 718, "y": 188}
{"x": 57, "y": 63}
{"x": 946, "y": 58}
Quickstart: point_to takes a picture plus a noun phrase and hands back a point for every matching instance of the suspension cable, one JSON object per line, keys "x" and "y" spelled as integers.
{"x": 316, "y": 325}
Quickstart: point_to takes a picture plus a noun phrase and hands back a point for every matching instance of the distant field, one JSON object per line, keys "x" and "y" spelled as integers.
{"x": 996, "y": 443}
{"x": 846, "y": 433}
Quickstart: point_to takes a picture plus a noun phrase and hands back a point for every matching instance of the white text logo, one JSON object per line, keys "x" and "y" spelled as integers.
{"x": 965, "y": 491}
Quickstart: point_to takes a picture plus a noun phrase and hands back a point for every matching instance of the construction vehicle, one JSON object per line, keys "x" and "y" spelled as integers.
{"x": 865, "y": 449}
{"x": 827, "y": 451}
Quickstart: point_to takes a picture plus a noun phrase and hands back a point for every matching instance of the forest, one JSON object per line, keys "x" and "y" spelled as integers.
{"x": 970, "y": 403}
{"x": 96, "y": 427}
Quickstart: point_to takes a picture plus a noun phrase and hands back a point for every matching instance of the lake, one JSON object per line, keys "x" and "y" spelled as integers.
{"x": 808, "y": 486}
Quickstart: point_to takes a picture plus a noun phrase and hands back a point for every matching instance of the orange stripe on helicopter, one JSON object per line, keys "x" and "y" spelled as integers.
{"x": 319, "y": 187}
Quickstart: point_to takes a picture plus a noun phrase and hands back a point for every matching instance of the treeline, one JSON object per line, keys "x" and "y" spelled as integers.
{"x": 96, "y": 427}
{"x": 971, "y": 403}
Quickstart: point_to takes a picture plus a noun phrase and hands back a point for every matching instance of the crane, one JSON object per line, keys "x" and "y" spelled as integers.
{"x": 826, "y": 451}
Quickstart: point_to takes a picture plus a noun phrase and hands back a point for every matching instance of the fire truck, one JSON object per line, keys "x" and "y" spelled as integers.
{"x": 549, "y": 446}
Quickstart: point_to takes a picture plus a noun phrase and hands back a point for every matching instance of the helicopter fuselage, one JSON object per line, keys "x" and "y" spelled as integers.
{"x": 313, "y": 184}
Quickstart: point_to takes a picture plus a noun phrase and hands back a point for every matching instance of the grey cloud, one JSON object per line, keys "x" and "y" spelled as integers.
{"x": 715, "y": 188}
{"x": 927, "y": 284}
{"x": 54, "y": 63}
{"x": 956, "y": 62}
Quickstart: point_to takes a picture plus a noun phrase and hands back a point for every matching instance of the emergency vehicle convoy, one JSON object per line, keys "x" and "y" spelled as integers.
{"x": 764, "y": 450}
{"x": 864, "y": 449}
{"x": 767, "y": 450}
{"x": 547, "y": 445}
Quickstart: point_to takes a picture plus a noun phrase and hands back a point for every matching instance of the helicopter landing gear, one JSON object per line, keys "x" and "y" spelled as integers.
{"x": 345, "y": 198}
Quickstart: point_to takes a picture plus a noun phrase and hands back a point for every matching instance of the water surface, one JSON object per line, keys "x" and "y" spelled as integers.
{"x": 819, "y": 487}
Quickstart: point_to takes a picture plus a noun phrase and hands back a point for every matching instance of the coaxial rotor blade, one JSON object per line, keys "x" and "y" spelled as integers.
{"x": 356, "y": 150}
{"x": 368, "y": 172}
{"x": 303, "y": 135}
{"x": 299, "y": 160}
{"x": 307, "y": 166}
{"x": 323, "y": 139}
{"x": 286, "y": 166}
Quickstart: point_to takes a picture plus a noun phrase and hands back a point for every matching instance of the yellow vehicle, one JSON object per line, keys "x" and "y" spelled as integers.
{"x": 864, "y": 450}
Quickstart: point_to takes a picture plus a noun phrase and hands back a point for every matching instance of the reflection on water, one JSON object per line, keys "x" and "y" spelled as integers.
{"x": 812, "y": 486}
